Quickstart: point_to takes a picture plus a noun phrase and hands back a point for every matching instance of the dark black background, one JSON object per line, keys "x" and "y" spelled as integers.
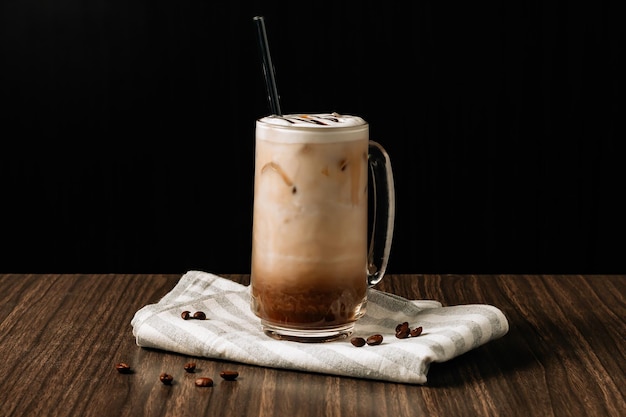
{"x": 128, "y": 126}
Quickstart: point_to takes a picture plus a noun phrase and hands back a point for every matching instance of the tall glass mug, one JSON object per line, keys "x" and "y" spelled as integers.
{"x": 311, "y": 260}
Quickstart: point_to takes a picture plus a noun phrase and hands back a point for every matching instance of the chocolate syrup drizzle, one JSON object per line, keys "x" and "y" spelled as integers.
{"x": 317, "y": 120}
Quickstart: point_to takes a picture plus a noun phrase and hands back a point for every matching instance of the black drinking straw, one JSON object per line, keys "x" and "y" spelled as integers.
{"x": 268, "y": 67}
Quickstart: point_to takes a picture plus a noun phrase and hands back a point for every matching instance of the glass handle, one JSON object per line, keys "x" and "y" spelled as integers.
{"x": 383, "y": 214}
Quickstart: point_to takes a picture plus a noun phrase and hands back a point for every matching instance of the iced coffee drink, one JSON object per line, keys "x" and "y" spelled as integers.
{"x": 310, "y": 232}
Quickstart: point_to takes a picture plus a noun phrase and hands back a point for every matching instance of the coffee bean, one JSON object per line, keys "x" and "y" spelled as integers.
{"x": 190, "y": 367}
{"x": 357, "y": 341}
{"x": 166, "y": 378}
{"x": 416, "y": 331}
{"x": 204, "y": 382}
{"x": 229, "y": 375}
{"x": 123, "y": 368}
{"x": 375, "y": 339}
{"x": 186, "y": 315}
{"x": 403, "y": 332}
{"x": 199, "y": 315}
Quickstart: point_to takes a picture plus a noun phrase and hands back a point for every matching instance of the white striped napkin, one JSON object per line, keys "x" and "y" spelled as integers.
{"x": 232, "y": 332}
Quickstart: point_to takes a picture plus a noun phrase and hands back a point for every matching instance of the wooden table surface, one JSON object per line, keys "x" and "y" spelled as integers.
{"x": 564, "y": 355}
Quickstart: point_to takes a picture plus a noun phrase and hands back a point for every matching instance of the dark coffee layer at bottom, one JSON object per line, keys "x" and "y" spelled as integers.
{"x": 312, "y": 308}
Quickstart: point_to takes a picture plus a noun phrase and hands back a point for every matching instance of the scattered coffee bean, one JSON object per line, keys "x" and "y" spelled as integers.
{"x": 166, "y": 378}
{"x": 186, "y": 315}
{"x": 416, "y": 331}
{"x": 402, "y": 331}
{"x": 204, "y": 382}
{"x": 199, "y": 315}
{"x": 229, "y": 375}
{"x": 123, "y": 368}
{"x": 357, "y": 341}
{"x": 375, "y": 339}
{"x": 403, "y": 334}
{"x": 190, "y": 367}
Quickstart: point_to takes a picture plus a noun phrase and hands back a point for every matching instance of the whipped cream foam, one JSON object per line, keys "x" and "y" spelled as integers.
{"x": 314, "y": 120}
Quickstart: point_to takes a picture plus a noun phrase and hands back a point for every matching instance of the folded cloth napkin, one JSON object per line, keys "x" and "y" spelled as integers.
{"x": 232, "y": 332}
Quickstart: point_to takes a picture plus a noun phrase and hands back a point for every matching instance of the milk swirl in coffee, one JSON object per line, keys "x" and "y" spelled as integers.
{"x": 309, "y": 251}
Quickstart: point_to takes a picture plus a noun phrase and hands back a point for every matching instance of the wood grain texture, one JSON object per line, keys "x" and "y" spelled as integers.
{"x": 61, "y": 335}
